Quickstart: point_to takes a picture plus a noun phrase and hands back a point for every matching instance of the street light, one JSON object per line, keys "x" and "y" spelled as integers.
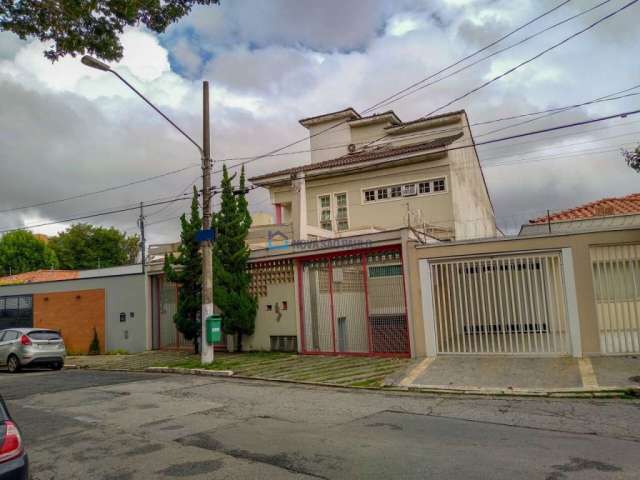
{"x": 206, "y": 351}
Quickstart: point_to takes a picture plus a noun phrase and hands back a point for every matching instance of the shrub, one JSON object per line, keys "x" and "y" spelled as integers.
{"x": 94, "y": 348}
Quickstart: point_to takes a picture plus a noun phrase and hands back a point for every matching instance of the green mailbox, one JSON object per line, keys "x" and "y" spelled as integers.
{"x": 214, "y": 329}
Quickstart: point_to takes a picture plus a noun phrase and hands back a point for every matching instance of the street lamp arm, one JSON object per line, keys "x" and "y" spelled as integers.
{"x": 156, "y": 109}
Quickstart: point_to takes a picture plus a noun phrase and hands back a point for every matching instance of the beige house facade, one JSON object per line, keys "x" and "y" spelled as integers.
{"x": 377, "y": 173}
{"x": 385, "y": 244}
{"x": 572, "y": 294}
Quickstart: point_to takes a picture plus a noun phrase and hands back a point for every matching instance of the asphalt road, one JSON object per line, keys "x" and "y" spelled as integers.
{"x": 112, "y": 425}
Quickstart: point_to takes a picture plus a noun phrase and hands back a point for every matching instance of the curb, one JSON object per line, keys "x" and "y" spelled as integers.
{"x": 601, "y": 392}
{"x": 190, "y": 371}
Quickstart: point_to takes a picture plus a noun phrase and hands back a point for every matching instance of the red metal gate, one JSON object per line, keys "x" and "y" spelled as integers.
{"x": 354, "y": 303}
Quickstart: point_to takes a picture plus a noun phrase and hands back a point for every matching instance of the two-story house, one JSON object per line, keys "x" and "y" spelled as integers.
{"x": 375, "y": 173}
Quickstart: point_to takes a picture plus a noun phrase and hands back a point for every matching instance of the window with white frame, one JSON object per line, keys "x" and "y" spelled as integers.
{"x": 325, "y": 211}
{"x": 342, "y": 213}
{"x": 369, "y": 195}
{"x": 423, "y": 187}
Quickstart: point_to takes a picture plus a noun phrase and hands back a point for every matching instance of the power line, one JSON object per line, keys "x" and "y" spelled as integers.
{"x": 521, "y": 64}
{"x": 337, "y": 146}
{"x": 84, "y": 217}
{"x": 96, "y": 192}
{"x": 492, "y": 54}
{"x": 308, "y": 137}
{"x": 512, "y": 137}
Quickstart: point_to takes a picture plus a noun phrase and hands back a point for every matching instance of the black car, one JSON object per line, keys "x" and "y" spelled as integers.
{"x": 14, "y": 463}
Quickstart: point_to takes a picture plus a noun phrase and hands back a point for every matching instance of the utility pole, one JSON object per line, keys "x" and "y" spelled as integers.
{"x": 143, "y": 244}
{"x": 206, "y": 350}
{"x": 205, "y": 154}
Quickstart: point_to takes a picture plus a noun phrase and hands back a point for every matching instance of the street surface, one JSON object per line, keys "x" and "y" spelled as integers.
{"x": 116, "y": 425}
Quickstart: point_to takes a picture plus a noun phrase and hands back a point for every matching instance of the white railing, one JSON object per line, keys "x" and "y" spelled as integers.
{"x": 616, "y": 285}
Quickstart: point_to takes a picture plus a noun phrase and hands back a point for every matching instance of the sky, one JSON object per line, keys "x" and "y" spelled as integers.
{"x": 66, "y": 130}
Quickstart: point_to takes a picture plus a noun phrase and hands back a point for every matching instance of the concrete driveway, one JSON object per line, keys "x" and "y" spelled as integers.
{"x": 521, "y": 374}
{"x": 117, "y": 425}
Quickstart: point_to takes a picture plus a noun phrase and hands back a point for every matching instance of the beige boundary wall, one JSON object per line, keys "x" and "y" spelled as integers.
{"x": 578, "y": 244}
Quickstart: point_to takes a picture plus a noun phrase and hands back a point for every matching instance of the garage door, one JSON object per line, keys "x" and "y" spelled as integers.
{"x": 502, "y": 304}
{"x": 616, "y": 285}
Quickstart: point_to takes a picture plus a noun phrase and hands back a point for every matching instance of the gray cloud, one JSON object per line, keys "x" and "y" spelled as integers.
{"x": 275, "y": 65}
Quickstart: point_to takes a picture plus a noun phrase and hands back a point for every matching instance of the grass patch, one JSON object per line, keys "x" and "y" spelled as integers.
{"x": 229, "y": 361}
{"x": 370, "y": 382}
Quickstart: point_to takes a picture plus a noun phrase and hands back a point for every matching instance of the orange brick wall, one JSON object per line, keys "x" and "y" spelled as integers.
{"x": 75, "y": 314}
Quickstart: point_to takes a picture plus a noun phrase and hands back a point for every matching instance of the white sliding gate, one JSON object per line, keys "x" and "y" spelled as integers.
{"x": 498, "y": 304}
{"x": 616, "y": 284}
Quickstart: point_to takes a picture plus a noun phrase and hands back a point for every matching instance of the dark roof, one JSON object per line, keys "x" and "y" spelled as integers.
{"x": 350, "y": 110}
{"x": 600, "y": 208}
{"x": 427, "y": 119}
{"x": 359, "y": 157}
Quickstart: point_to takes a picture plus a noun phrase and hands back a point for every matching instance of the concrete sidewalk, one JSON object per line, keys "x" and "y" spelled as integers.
{"x": 536, "y": 376}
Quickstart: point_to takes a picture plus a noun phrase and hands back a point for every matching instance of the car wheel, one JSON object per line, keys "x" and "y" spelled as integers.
{"x": 13, "y": 364}
{"x": 57, "y": 365}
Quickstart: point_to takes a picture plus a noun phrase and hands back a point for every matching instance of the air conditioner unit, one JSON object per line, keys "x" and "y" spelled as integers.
{"x": 409, "y": 190}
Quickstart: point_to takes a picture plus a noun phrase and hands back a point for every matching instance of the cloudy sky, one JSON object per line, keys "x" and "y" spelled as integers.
{"x": 66, "y": 130}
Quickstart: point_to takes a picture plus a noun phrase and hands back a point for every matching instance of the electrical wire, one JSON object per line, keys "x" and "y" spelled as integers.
{"x": 493, "y": 54}
{"x": 296, "y": 142}
{"x": 518, "y": 66}
{"x": 84, "y": 217}
{"x": 96, "y": 192}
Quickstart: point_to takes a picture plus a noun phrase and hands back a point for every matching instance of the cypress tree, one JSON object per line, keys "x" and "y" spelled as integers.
{"x": 230, "y": 255}
{"x": 186, "y": 271}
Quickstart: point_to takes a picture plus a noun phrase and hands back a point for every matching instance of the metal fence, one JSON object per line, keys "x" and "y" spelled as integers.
{"x": 500, "y": 304}
{"x": 616, "y": 284}
{"x": 354, "y": 304}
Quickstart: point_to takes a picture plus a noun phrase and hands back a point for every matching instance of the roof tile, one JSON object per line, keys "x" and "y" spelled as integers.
{"x": 38, "y": 276}
{"x": 366, "y": 156}
{"x": 605, "y": 207}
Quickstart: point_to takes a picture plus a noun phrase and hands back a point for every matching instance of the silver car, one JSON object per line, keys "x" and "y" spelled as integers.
{"x": 20, "y": 347}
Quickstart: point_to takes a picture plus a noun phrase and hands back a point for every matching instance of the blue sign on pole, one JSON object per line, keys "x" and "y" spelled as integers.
{"x": 206, "y": 235}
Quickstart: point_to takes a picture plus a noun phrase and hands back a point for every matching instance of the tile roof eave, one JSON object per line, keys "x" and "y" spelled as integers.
{"x": 356, "y": 158}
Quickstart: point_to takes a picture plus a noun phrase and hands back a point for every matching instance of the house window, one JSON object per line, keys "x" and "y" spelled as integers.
{"x": 325, "y": 212}
{"x": 385, "y": 271}
{"x": 342, "y": 215}
{"x": 423, "y": 187}
{"x": 16, "y": 312}
{"x": 369, "y": 195}
{"x": 409, "y": 189}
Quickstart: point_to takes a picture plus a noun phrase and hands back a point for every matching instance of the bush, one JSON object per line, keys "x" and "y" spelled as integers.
{"x": 94, "y": 348}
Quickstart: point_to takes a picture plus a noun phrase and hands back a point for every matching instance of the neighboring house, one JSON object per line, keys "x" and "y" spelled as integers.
{"x": 377, "y": 173}
{"x": 604, "y": 214}
{"x": 113, "y": 301}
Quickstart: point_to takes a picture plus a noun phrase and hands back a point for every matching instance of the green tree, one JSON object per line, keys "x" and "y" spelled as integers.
{"x": 186, "y": 271}
{"x": 21, "y": 251}
{"x": 633, "y": 158}
{"x": 83, "y": 246}
{"x": 89, "y": 26}
{"x": 230, "y": 255}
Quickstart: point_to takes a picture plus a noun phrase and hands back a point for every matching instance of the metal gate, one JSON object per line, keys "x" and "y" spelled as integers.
{"x": 503, "y": 304}
{"x": 616, "y": 284}
{"x": 354, "y": 304}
